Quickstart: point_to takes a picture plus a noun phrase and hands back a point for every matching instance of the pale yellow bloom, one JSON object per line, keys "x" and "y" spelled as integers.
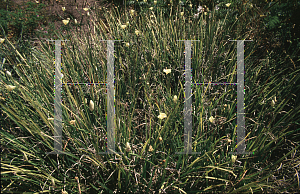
{"x": 211, "y": 119}
{"x": 2, "y": 40}
{"x": 85, "y": 9}
{"x": 226, "y": 105}
{"x": 75, "y": 21}
{"x": 151, "y": 8}
{"x": 10, "y": 87}
{"x": 127, "y": 44}
{"x": 228, "y": 4}
{"x": 205, "y": 13}
{"x": 162, "y": 116}
{"x": 175, "y": 99}
{"x": 273, "y": 103}
{"x": 155, "y": 2}
{"x": 8, "y": 73}
{"x": 88, "y": 13}
{"x": 181, "y": 13}
{"x": 85, "y": 100}
{"x": 127, "y": 149}
{"x": 137, "y": 32}
{"x": 191, "y": 5}
{"x": 37, "y": 1}
{"x": 63, "y": 8}
{"x": 72, "y": 122}
{"x": 65, "y": 22}
{"x": 233, "y": 158}
{"x": 127, "y": 23}
{"x": 91, "y": 105}
{"x": 160, "y": 138}
{"x": 150, "y": 148}
{"x": 123, "y": 26}
{"x": 132, "y": 12}
{"x": 167, "y": 71}
{"x": 145, "y": 1}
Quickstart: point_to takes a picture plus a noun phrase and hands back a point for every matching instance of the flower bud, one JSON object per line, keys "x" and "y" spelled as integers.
{"x": 10, "y": 87}
{"x": 91, "y": 106}
{"x": 127, "y": 149}
{"x": 151, "y": 148}
{"x": 175, "y": 99}
{"x": 8, "y": 73}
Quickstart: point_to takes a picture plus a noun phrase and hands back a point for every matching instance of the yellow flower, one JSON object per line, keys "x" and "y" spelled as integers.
{"x": 65, "y": 21}
{"x": 8, "y": 73}
{"x": 167, "y": 71}
{"x": 75, "y": 21}
{"x": 127, "y": 44}
{"x": 50, "y": 119}
{"x": 37, "y": 1}
{"x": 132, "y": 12}
{"x": 123, "y": 26}
{"x": 150, "y": 148}
{"x": 63, "y": 8}
{"x": 162, "y": 116}
{"x": 228, "y": 4}
{"x": 10, "y": 87}
{"x": 155, "y": 2}
{"x": 85, "y": 9}
{"x": 127, "y": 23}
{"x": 175, "y": 99}
{"x": 72, "y": 122}
{"x": 226, "y": 105}
{"x": 91, "y": 105}
{"x": 160, "y": 138}
{"x": 211, "y": 119}
{"x": 233, "y": 158}
{"x": 191, "y": 5}
{"x": 127, "y": 149}
{"x": 181, "y": 13}
{"x": 145, "y": 1}
{"x": 2, "y": 40}
{"x": 137, "y": 32}
{"x": 205, "y": 13}
{"x": 85, "y": 100}
{"x": 273, "y": 103}
{"x": 151, "y": 8}
{"x": 88, "y": 13}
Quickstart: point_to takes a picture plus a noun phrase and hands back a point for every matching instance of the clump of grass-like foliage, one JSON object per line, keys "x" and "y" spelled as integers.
{"x": 149, "y": 118}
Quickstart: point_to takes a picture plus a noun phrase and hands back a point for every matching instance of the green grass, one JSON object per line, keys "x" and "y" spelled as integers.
{"x": 143, "y": 91}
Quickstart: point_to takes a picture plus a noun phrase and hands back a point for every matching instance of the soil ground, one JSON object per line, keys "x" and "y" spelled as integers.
{"x": 73, "y": 10}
